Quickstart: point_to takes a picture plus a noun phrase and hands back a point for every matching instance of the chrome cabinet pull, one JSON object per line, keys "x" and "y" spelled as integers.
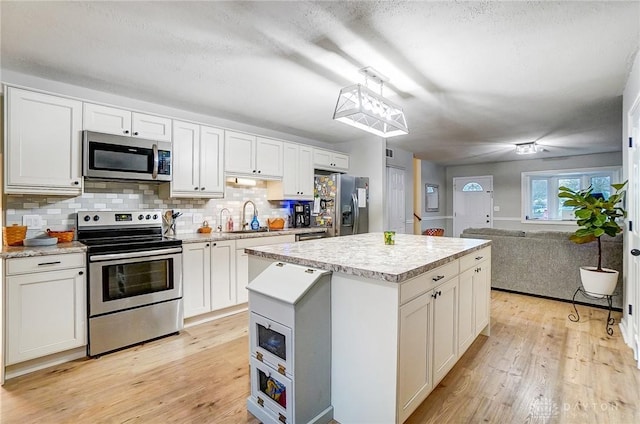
{"x": 49, "y": 263}
{"x": 438, "y": 278}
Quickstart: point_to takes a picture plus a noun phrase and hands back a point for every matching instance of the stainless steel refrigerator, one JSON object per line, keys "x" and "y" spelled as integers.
{"x": 341, "y": 204}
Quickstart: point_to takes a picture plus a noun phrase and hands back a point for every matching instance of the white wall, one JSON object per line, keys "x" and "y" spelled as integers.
{"x": 432, "y": 173}
{"x": 507, "y": 185}
{"x": 367, "y": 159}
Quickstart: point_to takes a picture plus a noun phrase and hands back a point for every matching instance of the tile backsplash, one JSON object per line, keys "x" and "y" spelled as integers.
{"x": 59, "y": 213}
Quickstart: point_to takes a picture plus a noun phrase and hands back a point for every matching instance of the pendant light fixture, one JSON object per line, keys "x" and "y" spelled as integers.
{"x": 363, "y": 108}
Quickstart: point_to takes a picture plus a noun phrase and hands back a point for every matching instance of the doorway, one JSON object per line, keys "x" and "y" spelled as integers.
{"x": 472, "y": 203}
{"x": 396, "y": 199}
{"x": 632, "y": 293}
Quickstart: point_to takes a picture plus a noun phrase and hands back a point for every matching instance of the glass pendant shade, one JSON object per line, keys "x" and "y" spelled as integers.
{"x": 363, "y": 108}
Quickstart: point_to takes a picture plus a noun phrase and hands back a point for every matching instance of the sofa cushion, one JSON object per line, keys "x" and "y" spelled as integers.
{"x": 494, "y": 232}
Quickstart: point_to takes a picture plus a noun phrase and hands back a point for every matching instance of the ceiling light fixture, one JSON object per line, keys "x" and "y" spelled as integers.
{"x": 363, "y": 108}
{"x": 526, "y": 148}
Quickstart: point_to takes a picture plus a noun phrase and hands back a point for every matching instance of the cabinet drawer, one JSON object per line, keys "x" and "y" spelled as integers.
{"x": 427, "y": 281}
{"x": 474, "y": 258}
{"x": 44, "y": 263}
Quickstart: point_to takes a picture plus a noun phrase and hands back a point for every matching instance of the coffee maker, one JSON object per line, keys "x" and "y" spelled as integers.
{"x": 301, "y": 215}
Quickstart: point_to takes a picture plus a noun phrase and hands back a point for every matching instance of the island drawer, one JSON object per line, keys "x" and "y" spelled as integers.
{"x": 44, "y": 263}
{"x": 427, "y": 281}
{"x": 474, "y": 258}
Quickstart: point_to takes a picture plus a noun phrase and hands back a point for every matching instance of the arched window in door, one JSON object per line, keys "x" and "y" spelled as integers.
{"x": 472, "y": 186}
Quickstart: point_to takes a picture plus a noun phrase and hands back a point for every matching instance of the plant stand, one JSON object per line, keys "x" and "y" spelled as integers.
{"x": 576, "y": 317}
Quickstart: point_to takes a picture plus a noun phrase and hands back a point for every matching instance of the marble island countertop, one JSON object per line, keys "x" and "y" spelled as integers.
{"x": 367, "y": 256}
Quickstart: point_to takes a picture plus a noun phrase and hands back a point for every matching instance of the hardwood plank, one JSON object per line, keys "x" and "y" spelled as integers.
{"x": 537, "y": 366}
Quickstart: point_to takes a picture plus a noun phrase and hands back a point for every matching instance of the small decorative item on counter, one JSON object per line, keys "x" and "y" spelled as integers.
{"x": 230, "y": 224}
{"x": 62, "y": 236}
{"x": 255, "y": 224}
{"x": 275, "y": 223}
{"x": 13, "y": 235}
{"x": 389, "y": 237}
{"x": 205, "y": 228}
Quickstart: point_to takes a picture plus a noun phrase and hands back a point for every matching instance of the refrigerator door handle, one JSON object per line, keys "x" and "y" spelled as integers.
{"x": 356, "y": 213}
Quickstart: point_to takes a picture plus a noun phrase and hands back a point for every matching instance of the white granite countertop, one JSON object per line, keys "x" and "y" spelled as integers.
{"x": 9, "y": 252}
{"x": 219, "y": 236}
{"x": 367, "y": 256}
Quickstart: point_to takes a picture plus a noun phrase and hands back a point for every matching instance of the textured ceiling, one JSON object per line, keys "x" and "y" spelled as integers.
{"x": 473, "y": 78}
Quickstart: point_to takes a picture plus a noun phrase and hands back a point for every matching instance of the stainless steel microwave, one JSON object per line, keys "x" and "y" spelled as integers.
{"x": 116, "y": 157}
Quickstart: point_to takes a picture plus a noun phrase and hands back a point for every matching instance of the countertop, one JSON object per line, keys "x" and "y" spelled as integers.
{"x": 9, "y": 252}
{"x": 219, "y": 236}
{"x": 367, "y": 256}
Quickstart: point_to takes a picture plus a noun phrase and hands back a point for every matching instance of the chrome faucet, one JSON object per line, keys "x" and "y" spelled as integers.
{"x": 244, "y": 207}
{"x": 220, "y": 222}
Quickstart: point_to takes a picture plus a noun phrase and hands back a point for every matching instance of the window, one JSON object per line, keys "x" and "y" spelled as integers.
{"x": 472, "y": 187}
{"x": 540, "y": 200}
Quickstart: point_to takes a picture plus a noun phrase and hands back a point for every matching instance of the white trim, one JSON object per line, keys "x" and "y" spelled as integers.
{"x": 433, "y": 218}
{"x": 507, "y": 218}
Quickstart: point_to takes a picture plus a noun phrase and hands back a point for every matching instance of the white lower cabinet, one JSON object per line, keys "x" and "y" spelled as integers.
{"x": 414, "y": 366}
{"x": 196, "y": 278}
{"x": 474, "y": 302}
{"x": 45, "y": 306}
{"x": 445, "y": 328}
{"x": 208, "y": 276}
{"x": 223, "y": 270}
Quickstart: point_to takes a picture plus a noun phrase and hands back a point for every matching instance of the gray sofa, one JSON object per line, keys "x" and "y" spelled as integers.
{"x": 546, "y": 263}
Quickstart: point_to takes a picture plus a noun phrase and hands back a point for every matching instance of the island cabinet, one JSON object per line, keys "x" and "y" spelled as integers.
{"x": 112, "y": 120}
{"x": 474, "y": 305}
{"x": 397, "y": 315}
{"x": 43, "y": 143}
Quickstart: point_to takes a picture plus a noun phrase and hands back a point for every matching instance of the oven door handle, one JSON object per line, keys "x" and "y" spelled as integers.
{"x": 129, "y": 255}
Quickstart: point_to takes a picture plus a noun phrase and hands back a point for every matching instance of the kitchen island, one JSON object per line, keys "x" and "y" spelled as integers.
{"x": 401, "y": 315}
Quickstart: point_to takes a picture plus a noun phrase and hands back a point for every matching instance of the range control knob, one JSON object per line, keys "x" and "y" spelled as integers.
{"x": 96, "y": 218}
{"x": 87, "y": 218}
{"x": 140, "y": 217}
{"x": 148, "y": 216}
{"x": 155, "y": 216}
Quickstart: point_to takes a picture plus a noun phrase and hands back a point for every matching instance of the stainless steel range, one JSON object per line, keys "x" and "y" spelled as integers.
{"x": 134, "y": 278}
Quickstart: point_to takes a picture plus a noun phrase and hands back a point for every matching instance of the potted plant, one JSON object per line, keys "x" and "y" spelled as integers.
{"x": 596, "y": 217}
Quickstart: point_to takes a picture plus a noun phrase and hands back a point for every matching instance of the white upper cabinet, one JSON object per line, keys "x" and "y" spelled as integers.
{"x": 42, "y": 143}
{"x": 249, "y": 155}
{"x": 113, "y": 120}
{"x": 197, "y": 161}
{"x": 297, "y": 176}
{"x": 330, "y": 161}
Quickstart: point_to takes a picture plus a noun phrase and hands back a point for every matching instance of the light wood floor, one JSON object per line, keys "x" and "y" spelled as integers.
{"x": 537, "y": 367}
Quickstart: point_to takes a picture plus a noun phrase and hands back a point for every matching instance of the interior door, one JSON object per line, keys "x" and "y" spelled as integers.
{"x": 472, "y": 203}
{"x": 632, "y": 293}
{"x": 395, "y": 200}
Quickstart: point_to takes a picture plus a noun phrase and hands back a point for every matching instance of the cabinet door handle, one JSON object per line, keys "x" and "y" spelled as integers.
{"x": 49, "y": 263}
{"x": 126, "y": 131}
{"x": 479, "y": 257}
{"x": 76, "y": 183}
{"x": 201, "y": 188}
{"x": 195, "y": 188}
{"x": 215, "y": 244}
{"x": 438, "y": 277}
{"x": 135, "y": 133}
{"x": 207, "y": 245}
{"x": 259, "y": 171}
{"x": 81, "y": 273}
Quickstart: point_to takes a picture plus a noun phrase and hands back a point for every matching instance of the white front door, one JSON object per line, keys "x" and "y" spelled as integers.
{"x": 472, "y": 203}
{"x": 395, "y": 200}
{"x": 632, "y": 293}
